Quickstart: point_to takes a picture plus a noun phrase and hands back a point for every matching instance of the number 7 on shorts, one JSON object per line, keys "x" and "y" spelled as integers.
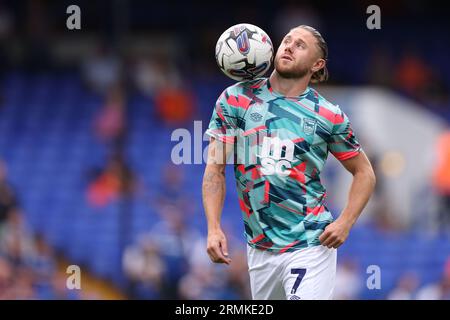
{"x": 300, "y": 274}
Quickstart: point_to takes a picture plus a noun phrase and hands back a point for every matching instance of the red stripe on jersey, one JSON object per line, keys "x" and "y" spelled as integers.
{"x": 253, "y": 130}
{"x": 255, "y": 173}
{"x": 349, "y": 135}
{"x": 315, "y": 211}
{"x": 220, "y": 114}
{"x": 266, "y": 191}
{"x": 303, "y": 105}
{"x": 227, "y": 139}
{"x": 341, "y": 156}
{"x": 289, "y": 246}
{"x": 244, "y": 207}
{"x": 298, "y": 140}
{"x": 240, "y": 101}
{"x": 338, "y": 119}
{"x": 258, "y": 238}
{"x": 288, "y": 209}
{"x": 257, "y": 85}
{"x": 327, "y": 114}
{"x": 298, "y": 172}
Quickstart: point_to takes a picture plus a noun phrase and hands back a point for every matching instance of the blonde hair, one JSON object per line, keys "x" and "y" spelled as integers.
{"x": 322, "y": 74}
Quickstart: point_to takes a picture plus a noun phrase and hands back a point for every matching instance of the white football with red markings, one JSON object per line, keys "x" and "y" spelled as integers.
{"x": 244, "y": 52}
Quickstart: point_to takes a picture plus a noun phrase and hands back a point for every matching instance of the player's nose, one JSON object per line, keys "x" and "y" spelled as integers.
{"x": 288, "y": 48}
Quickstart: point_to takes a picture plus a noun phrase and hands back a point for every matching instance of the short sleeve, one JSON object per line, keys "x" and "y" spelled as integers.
{"x": 223, "y": 124}
{"x": 343, "y": 143}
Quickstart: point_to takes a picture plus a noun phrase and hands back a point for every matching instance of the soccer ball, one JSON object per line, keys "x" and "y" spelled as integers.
{"x": 244, "y": 52}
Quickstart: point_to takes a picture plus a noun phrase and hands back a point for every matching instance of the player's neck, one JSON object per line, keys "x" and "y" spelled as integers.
{"x": 288, "y": 87}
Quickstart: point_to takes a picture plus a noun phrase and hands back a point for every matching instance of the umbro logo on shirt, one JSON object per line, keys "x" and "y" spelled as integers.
{"x": 255, "y": 116}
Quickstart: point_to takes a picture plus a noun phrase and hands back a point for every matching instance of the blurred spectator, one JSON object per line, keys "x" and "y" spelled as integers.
{"x": 439, "y": 290}
{"x": 210, "y": 281}
{"x": 44, "y": 267}
{"x": 116, "y": 180}
{"x": 348, "y": 281}
{"x": 175, "y": 105}
{"x": 238, "y": 280}
{"x": 110, "y": 123}
{"x": 201, "y": 280}
{"x": 205, "y": 280}
{"x": 441, "y": 178}
{"x": 175, "y": 238}
{"x": 152, "y": 74}
{"x": 174, "y": 101}
{"x": 172, "y": 190}
{"x": 405, "y": 288}
{"x": 202, "y": 284}
{"x": 412, "y": 75}
{"x": 144, "y": 269}
{"x": 23, "y": 284}
{"x": 102, "y": 71}
{"x": 8, "y": 198}
{"x": 59, "y": 289}
{"x": 27, "y": 264}
{"x": 160, "y": 258}
{"x": 16, "y": 240}
{"x": 6, "y": 279}
{"x": 381, "y": 212}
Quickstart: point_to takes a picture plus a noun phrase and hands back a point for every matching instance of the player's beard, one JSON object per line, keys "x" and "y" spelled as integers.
{"x": 296, "y": 72}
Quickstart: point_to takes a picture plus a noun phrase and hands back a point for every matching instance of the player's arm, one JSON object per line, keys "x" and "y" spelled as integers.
{"x": 213, "y": 191}
{"x": 361, "y": 189}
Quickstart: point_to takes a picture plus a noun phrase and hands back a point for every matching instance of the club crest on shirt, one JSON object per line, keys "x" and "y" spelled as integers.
{"x": 309, "y": 126}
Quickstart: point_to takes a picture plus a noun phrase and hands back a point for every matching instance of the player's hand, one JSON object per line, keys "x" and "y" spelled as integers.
{"x": 217, "y": 247}
{"x": 335, "y": 234}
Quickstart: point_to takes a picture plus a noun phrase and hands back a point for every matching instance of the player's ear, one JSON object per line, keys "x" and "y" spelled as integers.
{"x": 319, "y": 64}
